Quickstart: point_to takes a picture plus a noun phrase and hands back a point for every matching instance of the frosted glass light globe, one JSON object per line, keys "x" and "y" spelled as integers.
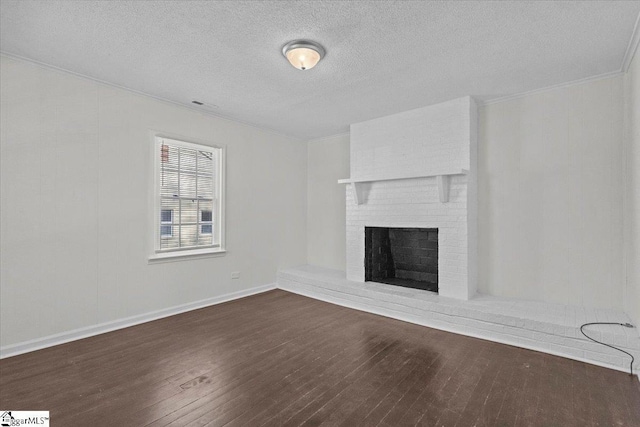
{"x": 303, "y": 54}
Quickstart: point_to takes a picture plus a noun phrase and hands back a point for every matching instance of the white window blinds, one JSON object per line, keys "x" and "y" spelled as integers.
{"x": 188, "y": 195}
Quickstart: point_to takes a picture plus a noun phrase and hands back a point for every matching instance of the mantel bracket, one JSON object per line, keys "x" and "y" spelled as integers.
{"x": 444, "y": 184}
{"x": 355, "y": 193}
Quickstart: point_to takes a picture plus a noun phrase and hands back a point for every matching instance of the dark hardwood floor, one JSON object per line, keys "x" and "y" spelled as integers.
{"x": 279, "y": 359}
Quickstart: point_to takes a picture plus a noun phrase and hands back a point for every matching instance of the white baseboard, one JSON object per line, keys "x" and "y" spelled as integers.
{"x": 425, "y": 322}
{"x": 89, "y": 331}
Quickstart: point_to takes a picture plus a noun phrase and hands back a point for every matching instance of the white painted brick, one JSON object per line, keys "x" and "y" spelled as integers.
{"x": 438, "y": 137}
{"x": 606, "y": 358}
{"x": 633, "y": 343}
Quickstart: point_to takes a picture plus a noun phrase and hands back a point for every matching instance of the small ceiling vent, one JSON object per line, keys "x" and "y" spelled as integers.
{"x": 204, "y": 105}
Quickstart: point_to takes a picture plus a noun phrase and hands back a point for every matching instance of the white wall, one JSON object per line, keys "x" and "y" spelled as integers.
{"x": 550, "y": 195}
{"x": 75, "y": 171}
{"x": 327, "y": 162}
{"x": 632, "y": 191}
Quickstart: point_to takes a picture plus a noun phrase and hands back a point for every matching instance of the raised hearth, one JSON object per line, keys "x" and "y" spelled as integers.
{"x": 547, "y": 327}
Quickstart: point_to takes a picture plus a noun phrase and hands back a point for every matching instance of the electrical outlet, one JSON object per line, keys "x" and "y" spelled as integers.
{"x": 235, "y": 275}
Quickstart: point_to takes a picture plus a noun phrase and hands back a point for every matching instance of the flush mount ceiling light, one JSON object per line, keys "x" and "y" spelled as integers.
{"x": 303, "y": 54}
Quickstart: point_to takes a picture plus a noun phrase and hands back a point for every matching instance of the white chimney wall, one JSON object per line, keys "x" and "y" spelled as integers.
{"x": 423, "y": 143}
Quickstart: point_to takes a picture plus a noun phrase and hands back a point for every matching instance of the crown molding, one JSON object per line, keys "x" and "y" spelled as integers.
{"x": 324, "y": 138}
{"x": 553, "y": 87}
{"x": 632, "y": 47}
{"x": 147, "y": 95}
{"x": 630, "y": 52}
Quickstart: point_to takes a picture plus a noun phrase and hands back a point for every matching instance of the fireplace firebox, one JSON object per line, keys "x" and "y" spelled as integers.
{"x": 402, "y": 256}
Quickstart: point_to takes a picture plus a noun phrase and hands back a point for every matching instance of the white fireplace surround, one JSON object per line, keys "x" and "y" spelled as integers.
{"x": 418, "y": 169}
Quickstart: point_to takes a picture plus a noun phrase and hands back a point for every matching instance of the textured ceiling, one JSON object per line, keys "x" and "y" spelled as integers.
{"x": 382, "y": 57}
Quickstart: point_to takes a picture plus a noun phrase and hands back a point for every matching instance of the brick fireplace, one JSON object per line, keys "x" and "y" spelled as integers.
{"x": 417, "y": 169}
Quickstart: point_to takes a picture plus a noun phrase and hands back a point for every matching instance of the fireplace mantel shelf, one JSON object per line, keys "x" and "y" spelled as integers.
{"x": 443, "y": 179}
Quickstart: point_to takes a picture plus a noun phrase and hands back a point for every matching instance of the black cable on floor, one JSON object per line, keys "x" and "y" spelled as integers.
{"x": 626, "y": 325}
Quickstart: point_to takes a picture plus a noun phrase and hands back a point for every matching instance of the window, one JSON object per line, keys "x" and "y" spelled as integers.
{"x": 166, "y": 217}
{"x": 188, "y": 197}
{"x": 205, "y": 220}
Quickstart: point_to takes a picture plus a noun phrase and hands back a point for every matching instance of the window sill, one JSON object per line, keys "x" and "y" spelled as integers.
{"x": 185, "y": 255}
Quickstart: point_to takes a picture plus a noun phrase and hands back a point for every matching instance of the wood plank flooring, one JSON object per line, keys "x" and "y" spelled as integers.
{"x": 280, "y": 359}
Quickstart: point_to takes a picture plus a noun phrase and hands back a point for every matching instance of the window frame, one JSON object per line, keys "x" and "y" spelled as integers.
{"x": 217, "y": 212}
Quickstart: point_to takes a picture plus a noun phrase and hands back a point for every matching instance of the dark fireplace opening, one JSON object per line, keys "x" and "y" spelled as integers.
{"x": 402, "y": 256}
